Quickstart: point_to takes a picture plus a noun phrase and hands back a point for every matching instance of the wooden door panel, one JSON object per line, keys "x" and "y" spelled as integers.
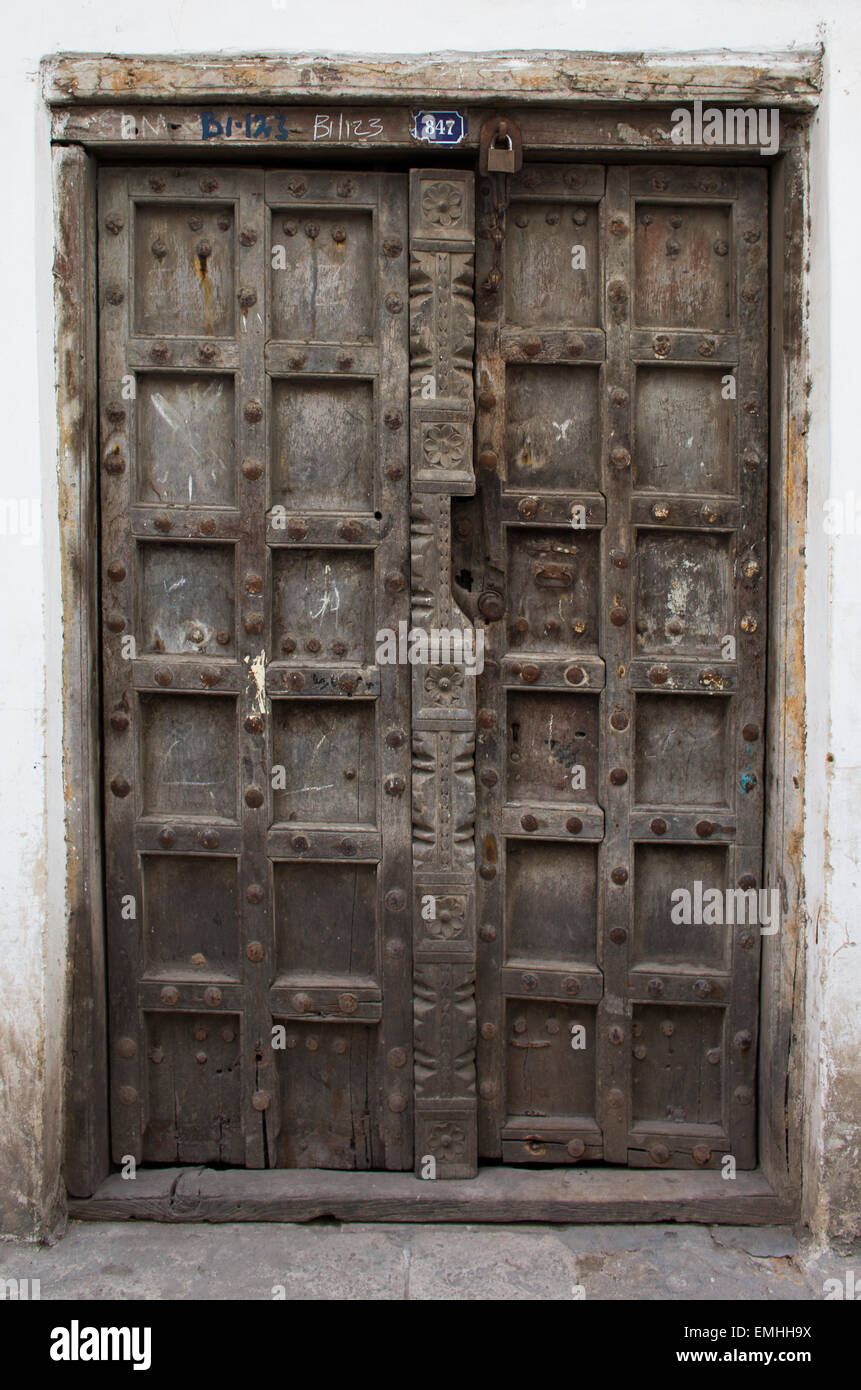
{"x": 365, "y": 914}
{"x": 254, "y": 377}
{"x": 616, "y": 544}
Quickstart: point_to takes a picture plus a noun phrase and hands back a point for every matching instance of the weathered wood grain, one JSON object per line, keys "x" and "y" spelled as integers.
{"x": 496, "y": 1194}
{"x": 785, "y": 79}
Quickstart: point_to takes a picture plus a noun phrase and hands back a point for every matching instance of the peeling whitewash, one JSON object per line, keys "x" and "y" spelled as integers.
{"x": 32, "y": 850}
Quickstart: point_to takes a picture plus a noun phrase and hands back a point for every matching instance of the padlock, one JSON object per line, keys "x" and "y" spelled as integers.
{"x": 500, "y": 158}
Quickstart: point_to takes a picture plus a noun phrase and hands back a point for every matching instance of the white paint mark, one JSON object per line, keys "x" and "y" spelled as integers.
{"x": 331, "y": 600}
{"x": 562, "y": 430}
{"x": 257, "y": 669}
{"x": 327, "y": 787}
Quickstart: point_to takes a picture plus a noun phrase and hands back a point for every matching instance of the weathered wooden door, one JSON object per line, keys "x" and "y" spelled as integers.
{"x": 617, "y": 552}
{"x": 254, "y": 397}
{"x": 363, "y": 914}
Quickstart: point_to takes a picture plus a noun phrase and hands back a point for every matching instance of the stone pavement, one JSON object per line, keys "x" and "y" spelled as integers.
{"x": 331, "y": 1260}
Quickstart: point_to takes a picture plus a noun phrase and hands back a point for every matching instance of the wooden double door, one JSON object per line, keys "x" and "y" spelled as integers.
{"x": 376, "y": 913}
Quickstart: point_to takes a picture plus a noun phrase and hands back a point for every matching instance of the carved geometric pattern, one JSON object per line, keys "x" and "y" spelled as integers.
{"x": 442, "y": 327}
{"x": 444, "y": 1030}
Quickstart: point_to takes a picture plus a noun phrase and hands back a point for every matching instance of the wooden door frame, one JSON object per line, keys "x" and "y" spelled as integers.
{"x": 580, "y": 106}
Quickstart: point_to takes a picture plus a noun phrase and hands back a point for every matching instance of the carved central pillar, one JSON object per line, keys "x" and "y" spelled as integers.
{"x": 442, "y": 330}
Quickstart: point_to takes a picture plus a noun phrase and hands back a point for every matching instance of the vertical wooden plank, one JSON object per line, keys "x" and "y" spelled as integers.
{"x": 613, "y": 1032}
{"x": 260, "y": 1099}
{"x": 392, "y": 604}
{"x": 86, "y": 1143}
{"x": 123, "y": 901}
{"x": 490, "y": 546}
{"x": 750, "y": 236}
{"x": 339, "y": 833}
{"x": 441, "y": 414}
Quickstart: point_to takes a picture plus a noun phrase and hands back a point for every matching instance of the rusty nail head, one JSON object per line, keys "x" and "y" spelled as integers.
{"x": 529, "y": 673}
{"x": 704, "y": 829}
{"x": 300, "y": 842}
{"x": 120, "y": 787}
{"x": 573, "y": 825}
{"x": 619, "y": 875}
{"x": 252, "y": 469}
{"x": 254, "y": 893}
{"x": 529, "y": 822}
{"x": 260, "y": 1100}
{"x": 618, "y": 776}
{"x": 119, "y": 721}
{"x": 254, "y": 951}
{"x": 658, "y": 826}
{"x": 166, "y": 837}
{"x": 212, "y": 996}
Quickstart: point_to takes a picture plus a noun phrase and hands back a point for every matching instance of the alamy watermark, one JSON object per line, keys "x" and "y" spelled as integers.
{"x": 750, "y": 125}
{"x": 433, "y": 646}
{"x": 718, "y": 907}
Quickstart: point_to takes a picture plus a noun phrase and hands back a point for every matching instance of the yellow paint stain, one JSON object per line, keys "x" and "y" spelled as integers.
{"x": 200, "y": 270}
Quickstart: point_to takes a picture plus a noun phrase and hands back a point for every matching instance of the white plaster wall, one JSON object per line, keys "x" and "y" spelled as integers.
{"x": 32, "y": 919}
